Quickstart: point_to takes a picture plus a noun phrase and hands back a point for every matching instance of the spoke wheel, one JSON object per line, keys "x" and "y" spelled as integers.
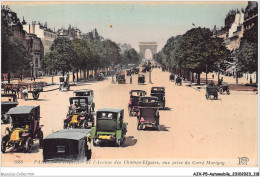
{"x": 28, "y": 145}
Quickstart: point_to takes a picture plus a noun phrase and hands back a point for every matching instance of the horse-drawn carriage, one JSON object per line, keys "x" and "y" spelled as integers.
{"x": 211, "y": 91}
{"x": 224, "y": 88}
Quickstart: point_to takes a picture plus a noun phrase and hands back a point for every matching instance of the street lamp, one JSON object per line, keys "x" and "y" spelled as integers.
{"x": 150, "y": 72}
{"x": 31, "y": 64}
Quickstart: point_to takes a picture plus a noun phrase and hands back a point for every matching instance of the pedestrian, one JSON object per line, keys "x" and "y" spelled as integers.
{"x": 251, "y": 82}
{"x": 212, "y": 76}
{"x": 34, "y": 79}
{"x": 131, "y": 79}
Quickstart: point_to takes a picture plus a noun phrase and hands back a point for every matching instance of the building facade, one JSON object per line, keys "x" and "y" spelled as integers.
{"x": 46, "y": 34}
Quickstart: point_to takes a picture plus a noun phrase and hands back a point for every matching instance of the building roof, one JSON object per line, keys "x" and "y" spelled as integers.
{"x": 21, "y": 110}
{"x": 73, "y": 134}
{"x": 115, "y": 110}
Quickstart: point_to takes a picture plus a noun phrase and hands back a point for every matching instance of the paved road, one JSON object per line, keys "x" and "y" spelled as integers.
{"x": 194, "y": 128}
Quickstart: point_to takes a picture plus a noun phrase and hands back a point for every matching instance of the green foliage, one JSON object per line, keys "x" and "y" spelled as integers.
{"x": 130, "y": 56}
{"x": 14, "y": 54}
{"x": 247, "y": 54}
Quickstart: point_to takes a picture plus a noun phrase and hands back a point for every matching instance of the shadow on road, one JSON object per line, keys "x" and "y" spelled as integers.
{"x": 165, "y": 109}
{"x": 35, "y": 149}
{"x": 160, "y": 128}
{"x": 129, "y": 141}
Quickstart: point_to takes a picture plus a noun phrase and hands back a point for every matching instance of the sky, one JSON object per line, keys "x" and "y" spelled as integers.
{"x": 128, "y": 22}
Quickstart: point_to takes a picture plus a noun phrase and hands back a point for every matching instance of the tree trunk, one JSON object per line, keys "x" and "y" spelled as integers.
{"x": 77, "y": 75}
{"x": 236, "y": 78}
{"x": 206, "y": 78}
{"x": 8, "y": 77}
{"x": 198, "y": 80}
{"x": 63, "y": 73}
{"x": 256, "y": 77}
{"x": 84, "y": 71}
{"x": 218, "y": 78}
{"x": 88, "y": 74}
{"x": 192, "y": 77}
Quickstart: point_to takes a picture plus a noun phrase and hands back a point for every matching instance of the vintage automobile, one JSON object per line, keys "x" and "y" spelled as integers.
{"x": 100, "y": 77}
{"x": 178, "y": 81}
{"x": 25, "y": 128}
{"x": 141, "y": 79}
{"x": 128, "y": 72}
{"x": 148, "y": 101}
{"x": 8, "y": 101}
{"x": 148, "y": 116}
{"x": 64, "y": 83}
{"x": 172, "y": 77}
{"x": 79, "y": 114}
{"x": 135, "y": 70}
{"x": 89, "y": 94}
{"x": 211, "y": 90}
{"x": 159, "y": 92}
{"x": 224, "y": 88}
{"x": 67, "y": 145}
{"x": 133, "y": 102}
{"x": 110, "y": 126}
{"x": 121, "y": 79}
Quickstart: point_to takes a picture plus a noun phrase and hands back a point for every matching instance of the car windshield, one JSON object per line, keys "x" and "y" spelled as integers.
{"x": 82, "y": 93}
{"x": 106, "y": 115}
{"x": 59, "y": 149}
{"x": 20, "y": 121}
{"x": 138, "y": 94}
{"x": 80, "y": 102}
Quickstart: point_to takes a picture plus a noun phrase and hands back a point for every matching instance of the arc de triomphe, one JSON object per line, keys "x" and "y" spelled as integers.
{"x": 147, "y": 45}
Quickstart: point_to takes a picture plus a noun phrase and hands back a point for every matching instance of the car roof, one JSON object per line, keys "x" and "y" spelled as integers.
{"x": 21, "y": 110}
{"x": 73, "y": 134}
{"x": 136, "y": 91}
{"x": 115, "y": 110}
{"x": 158, "y": 88}
{"x": 85, "y": 90}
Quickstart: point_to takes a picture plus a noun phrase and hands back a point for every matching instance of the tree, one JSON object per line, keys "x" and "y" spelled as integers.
{"x": 130, "y": 56}
{"x": 247, "y": 54}
{"x": 62, "y": 53}
{"x": 14, "y": 54}
{"x": 200, "y": 52}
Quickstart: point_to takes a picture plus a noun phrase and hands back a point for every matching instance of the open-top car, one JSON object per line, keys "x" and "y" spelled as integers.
{"x": 148, "y": 116}
{"x": 141, "y": 79}
{"x": 89, "y": 94}
{"x": 133, "y": 102}
{"x": 159, "y": 92}
{"x": 79, "y": 114}
{"x": 8, "y": 101}
{"x": 121, "y": 79}
{"x": 25, "y": 128}
{"x": 224, "y": 88}
{"x": 110, "y": 126}
{"x": 67, "y": 145}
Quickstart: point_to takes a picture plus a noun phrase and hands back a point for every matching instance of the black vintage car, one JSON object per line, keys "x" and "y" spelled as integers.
{"x": 67, "y": 145}
{"x": 25, "y": 128}
{"x": 172, "y": 77}
{"x": 64, "y": 83}
{"x": 120, "y": 79}
{"x": 141, "y": 79}
{"x": 224, "y": 88}
{"x": 133, "y": 102}
{"x": 89, "y": 94}
{"x": 8, "y": 101}
{"x": 79, "y": 114}
{"x": 159, "y": 92}
{"x": 178, "y": 81}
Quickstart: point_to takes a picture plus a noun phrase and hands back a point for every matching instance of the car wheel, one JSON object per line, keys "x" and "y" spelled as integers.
{"x": 118, "y": 142}
{"x": 130, "y": 111}
{"x": 28, "y": 145}
{"x": 85, "y": 124}
{"x": 94, "y": 142}
{"x": 89, "y": 154}
{"x": 228, "y": 91}
{"x": 207, "y": 96}
{"x": 3, "y": 145}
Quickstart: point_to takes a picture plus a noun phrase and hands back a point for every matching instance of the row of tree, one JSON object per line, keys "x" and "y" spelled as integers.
{"x": 199, "y": 51}
{"x": 85, "y": 55}
{"x": 195, "y": 52}
{"x": 15, "y": 56}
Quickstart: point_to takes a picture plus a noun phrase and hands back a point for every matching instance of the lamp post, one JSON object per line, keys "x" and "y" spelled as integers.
{"x": 31, "y": 64}
{"x": 218, "y": 73}
{"x": 113, "y": 72}
{"x": 150, "y": 73}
